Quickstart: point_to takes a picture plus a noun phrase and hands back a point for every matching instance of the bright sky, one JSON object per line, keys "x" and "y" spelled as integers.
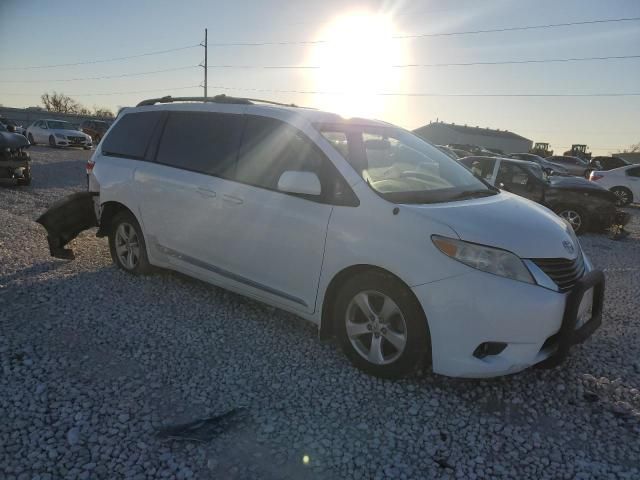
{"x": 356, "y": 62}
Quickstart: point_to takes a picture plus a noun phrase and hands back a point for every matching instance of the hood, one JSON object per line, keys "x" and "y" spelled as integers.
{"x": 13, "y": 140}
{"x": 505, "y": 221}
{"x": 575, "y": 183}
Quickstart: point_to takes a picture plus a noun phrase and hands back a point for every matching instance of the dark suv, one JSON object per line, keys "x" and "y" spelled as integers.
{"x": 584, "y": 204}
{"x": 95, "y": 129}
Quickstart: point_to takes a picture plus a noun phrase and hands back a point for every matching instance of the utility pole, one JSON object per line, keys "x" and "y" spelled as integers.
{"x": 205, "y": 44}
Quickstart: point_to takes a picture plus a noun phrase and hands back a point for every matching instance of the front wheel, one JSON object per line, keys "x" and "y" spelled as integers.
{"x": 127, "y": 245}
{"x": 381, "y": 325}
{"x": 31, "y": 140}
{"x": 52, "y": 141}
{"x": 575, "y": 216}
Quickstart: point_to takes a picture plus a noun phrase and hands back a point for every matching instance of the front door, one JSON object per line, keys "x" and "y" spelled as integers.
{"x": 274, "y": 240}
{"x": 519, "y": 181}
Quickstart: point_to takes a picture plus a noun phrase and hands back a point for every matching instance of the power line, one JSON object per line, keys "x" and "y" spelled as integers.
{"x": 102, "y": 77}
{"x": 106, "y": 60}
{"x": 463, "y": 64}
{"x": 402, "y": 94}
{"x": 112, "y": 93}
{"x": 427, "y": 35}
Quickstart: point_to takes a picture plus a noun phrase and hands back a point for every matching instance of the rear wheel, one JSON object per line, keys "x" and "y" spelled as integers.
{"x": 127, "y": 245}
{"x": 623, "y": 194}
{"x": 381, "y": 325}
{"x": 31, "y": 140}
{"x": 575, "y": 216}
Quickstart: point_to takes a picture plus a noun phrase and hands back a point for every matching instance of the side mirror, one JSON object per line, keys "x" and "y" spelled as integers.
{"x": 306, "y": 183}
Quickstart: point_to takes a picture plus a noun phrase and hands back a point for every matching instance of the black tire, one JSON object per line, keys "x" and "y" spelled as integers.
{"x": 140, "y": 264}
{"x": 52, "y": 141}
{"x": 624, "y": 195}
{"x": 417, "y": 347}
{"x": 567, "y": 212}
{"x": 31, "y": 140}
{"x": 26, "y": 179}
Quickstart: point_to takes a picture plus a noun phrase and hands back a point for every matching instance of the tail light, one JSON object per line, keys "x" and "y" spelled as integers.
{"x": 90, "y": 165}
{"x": 595, "y": 177}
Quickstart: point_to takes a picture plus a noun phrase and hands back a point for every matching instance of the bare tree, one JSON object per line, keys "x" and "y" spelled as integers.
{"x": 60, "y": 103}
{"x": 635, "y": 148}
{"x": 102, "y": 112}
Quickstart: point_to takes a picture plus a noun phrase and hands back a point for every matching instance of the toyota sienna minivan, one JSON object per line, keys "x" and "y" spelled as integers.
{"x": 391, "y": 247}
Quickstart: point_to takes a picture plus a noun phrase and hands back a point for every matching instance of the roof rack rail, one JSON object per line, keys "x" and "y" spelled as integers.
{"x": 222, "y": 98}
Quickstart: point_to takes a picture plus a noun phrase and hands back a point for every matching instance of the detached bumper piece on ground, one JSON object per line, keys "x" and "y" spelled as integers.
{"x": 66, "y": 219}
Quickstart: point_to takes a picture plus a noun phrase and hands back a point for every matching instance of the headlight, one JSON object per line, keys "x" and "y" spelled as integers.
{"x": 488, "y": 259}
{"x": 60, "y": 136}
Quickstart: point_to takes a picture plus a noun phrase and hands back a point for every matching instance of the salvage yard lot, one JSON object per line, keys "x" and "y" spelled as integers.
{"x": 93, "y": 361}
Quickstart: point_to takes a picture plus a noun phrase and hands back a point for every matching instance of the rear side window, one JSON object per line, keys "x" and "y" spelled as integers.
{"x": 634, "y": 172}
{"x": 130, "y": 137}
{"x": 201, "y": 141}
{"x": 270, "y": 148}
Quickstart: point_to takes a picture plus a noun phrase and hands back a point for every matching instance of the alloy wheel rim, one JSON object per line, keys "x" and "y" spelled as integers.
{"x": 622, "y": 197}
{"x": 127, "y": 246}
{"x": 573, "y": 218}
{"x": 376, "y": 327}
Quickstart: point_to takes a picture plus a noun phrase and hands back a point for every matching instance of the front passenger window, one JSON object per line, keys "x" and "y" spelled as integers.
{"x": 270, "y": 148}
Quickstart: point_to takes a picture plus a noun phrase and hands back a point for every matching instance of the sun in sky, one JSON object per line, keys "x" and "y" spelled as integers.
{"x": 356, "y": 63}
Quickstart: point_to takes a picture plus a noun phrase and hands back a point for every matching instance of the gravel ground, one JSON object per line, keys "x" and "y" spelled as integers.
{"x": 93, "y": 361}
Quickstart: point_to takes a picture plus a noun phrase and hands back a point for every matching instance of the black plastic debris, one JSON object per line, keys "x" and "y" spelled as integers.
{"x": 65, "y": 219}
{"x": 204, "y": 429}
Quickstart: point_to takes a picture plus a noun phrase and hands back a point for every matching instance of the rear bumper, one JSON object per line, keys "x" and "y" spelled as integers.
{"x": 535, "y": 323}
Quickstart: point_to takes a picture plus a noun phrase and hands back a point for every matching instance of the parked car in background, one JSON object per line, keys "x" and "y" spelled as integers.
{"x": 461, "y": 153}
{"x": 13, "y": 126}
{"x": 266, "y": 201}
{"x": 57, "y": 133}
{"x": 447, "y": 151}
{"x": 95, "y": 129}
{"x": 15, "y": 162}
{"x": 574, "y": 165}
{"x": 607, "y": 163}
{"x": 575, "y": 199}
{"x": 624, "y": 182}
{"x": 549, "y": 167}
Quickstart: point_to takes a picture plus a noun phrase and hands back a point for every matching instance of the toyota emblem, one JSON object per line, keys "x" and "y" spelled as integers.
{"x": 568, "y": 246}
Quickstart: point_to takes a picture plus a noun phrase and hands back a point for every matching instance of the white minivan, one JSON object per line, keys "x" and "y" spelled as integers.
{"x": 391, "y": 247}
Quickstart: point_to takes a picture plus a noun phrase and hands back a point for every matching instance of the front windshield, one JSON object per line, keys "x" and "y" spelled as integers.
{"x": 60, "y": 125}
{"x": 402, "y": 167}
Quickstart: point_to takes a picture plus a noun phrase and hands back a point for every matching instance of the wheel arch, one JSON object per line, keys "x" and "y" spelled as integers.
{"x": 108, "y": 211}
{"x": 327, "y": 327}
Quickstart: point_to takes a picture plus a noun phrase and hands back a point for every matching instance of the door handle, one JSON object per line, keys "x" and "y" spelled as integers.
{"x": 232, "y": 199}
{"x": 205, "y": 192}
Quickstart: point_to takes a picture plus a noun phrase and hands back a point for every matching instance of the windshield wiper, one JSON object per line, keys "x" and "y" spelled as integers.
{"x": 473, "y": 194}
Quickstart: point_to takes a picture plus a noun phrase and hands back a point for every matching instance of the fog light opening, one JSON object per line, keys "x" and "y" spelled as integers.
{"x": 489, "y": 348}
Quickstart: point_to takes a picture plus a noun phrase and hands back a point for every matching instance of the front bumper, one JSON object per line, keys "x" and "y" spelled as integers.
{"x": 536, "y": 324}
{"x": 72, "y": 143}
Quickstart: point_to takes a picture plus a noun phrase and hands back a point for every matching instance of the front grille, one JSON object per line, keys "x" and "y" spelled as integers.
{"x": 76, "y": 139}
{"x": 564, "y": 272}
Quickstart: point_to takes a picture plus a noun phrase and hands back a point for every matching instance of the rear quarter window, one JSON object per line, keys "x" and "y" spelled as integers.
{"x": 130, "y": 137}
